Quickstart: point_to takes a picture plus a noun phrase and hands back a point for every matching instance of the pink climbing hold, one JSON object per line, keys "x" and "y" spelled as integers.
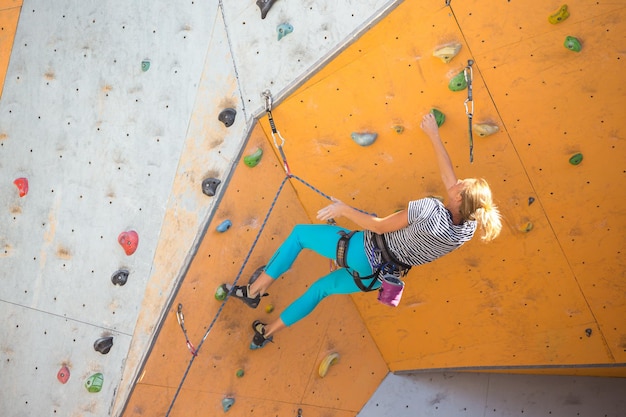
{"x": 22, "y": 186}
{"x": 63, "y": 375}
{"x": 129, "y": 241}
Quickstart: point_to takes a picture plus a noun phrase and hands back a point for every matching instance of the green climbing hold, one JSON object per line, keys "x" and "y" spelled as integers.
{"x": 439, "y": 116}
{"x": 221, "y": 292}
{"x": 572, "y": 44}
{"x": 283, "y": 30}
{"x": 145, "y": 65}
{"x": 227, "y": 403}
{"x": 364, "y": 138}
{"x": 576, "y": 159}
{"x": 94, "y": 382}
{"x": 240, "y": 373}
{"x": 458, "y": 82}
{"x": 253, "y": 159}
{"x": 559, "y": 16}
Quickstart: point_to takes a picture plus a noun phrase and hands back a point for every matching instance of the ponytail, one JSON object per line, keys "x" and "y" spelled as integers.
{"x": 477, "y": 204}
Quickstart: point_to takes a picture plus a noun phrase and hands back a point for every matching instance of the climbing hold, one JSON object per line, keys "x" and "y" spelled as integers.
{"x": 145, "y": 65}
{"x": 572, "y": 44}
{"x": 588, "y": 332}
{"x": 398, "y": 128}
{"x": 129, "y": 241}
{"x": 103, "y": 345}
{"x": 283, "y": 30}
{"x": 531, "y": 200}
{"x": 327, "y": 362}
{"x": 120, "y": 277}
{"x": 227, "y": 116}
{"x": 439, "y": 116}
{"x": 63, "y": 375}
{"x": 22, "y": 186}
{"x": 364, "y": 138}
{"x": 576, "y": 159}
{"x": 265, "y": 6}
{"x": 209, "y": 186}
{"x": 256, "y": 274}
{"x": 239, "y": 373}
{"x": 224, "y": 226}
{"x": 269, "y": 308}
{"x": 227, "y": 403}
{"x": 221, "y": 292}
{"x": 526, "y": 227}
{"x": 458, "y": 82}
{"x": 446, "y": 53}
{"x": 485, "y": 129}
{"x": 94, "y": 382}
{"x": 560, "y": 15}
{"x": 253, "y": 159}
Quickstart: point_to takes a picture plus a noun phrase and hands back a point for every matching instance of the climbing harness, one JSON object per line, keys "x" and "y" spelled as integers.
{"x": 181, "y": 321}
{"x": 469, "y": 105}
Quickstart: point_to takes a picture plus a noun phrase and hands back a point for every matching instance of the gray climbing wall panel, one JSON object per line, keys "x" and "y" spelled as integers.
{"x": 466, "y": 394}
{"x": 99, "y": 138}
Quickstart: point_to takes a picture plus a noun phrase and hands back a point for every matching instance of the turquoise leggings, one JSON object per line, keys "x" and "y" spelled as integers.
{"x": 321, "y": 239}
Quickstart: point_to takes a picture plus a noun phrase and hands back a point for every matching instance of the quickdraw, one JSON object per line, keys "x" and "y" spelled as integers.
{"x": 181, "y": 320}
{"x": 469, "y": 105}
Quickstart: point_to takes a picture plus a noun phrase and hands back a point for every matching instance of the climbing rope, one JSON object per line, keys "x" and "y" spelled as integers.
{"x": 469, "y": 105}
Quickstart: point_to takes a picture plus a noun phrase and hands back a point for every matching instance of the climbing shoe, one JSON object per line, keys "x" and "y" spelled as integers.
{"x": 241, "y": 293}
{"x": 259, "y": 340}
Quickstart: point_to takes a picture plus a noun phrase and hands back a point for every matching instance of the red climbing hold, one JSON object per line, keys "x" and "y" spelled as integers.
{"x": 63, "y": 375}
{"x": 129, "y": 241}
{"x": 22, "y": 186}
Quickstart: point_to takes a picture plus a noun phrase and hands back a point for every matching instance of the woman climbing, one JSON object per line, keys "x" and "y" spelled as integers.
{"x": 424, "y": 231}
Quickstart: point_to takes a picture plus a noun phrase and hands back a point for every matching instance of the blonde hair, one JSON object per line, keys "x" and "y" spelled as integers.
{"x": 477, "y": 204}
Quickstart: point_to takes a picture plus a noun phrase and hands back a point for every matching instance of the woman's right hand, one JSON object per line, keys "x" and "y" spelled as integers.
{"x": 429, "y": 125}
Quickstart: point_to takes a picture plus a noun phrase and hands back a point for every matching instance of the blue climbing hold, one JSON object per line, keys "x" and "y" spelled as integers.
{"x": 224, "y": 226}
{"x": 283, "y": 30}
{"x": 364, "y": 139}
{"x": 227, "y": 403}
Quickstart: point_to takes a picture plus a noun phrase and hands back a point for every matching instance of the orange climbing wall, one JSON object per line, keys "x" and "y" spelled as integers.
{"x": 547, "y": 296}
{"x": 9, "y": 15}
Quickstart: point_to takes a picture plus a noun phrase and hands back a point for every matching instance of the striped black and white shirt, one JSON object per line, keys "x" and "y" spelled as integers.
{"x": 429, "y": 235}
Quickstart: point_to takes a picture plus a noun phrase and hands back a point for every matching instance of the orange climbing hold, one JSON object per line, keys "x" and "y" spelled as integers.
{"x": 22, "y": 186}
{"x": 129, "y": 241}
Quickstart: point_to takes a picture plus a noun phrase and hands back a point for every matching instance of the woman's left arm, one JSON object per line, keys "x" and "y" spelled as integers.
{"x": 391, "y": 223}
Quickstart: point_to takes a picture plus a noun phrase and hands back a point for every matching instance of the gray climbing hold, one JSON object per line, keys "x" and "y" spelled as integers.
{"x": 265, "y": 6}
{"x": 209, "y": 186}
{"x": 120, "y": 277}
{"x": 103, "y": 345}
{"x": 227, "y": 403}
{"x": 364, "y": 138}
{"x": 227, "y": 116}
{"x": 283, "y": 30}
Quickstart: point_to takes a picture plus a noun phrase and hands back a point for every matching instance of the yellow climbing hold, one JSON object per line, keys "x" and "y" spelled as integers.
{"x": 559, "y": 16}
{"x": 269, "y": 308}
{"x": 447, "y": 52}
{"x": 485, "y": 129}
{"x": 526, "y": 227}
{"x": 327, "y": 362}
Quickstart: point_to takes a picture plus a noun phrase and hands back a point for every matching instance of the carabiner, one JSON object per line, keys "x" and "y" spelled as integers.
{"x": 267, "y": 95}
